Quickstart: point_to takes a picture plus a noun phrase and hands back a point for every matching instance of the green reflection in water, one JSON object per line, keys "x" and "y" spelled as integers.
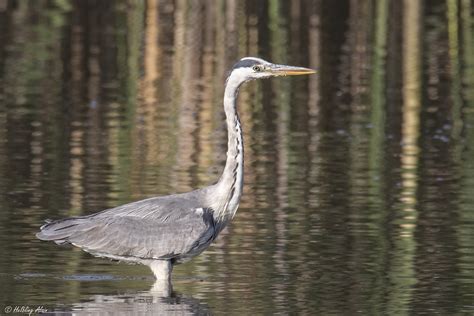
{"x": 348, "y": 173}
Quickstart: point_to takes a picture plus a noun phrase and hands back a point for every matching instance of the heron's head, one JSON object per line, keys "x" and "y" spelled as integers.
{"x": 249, "y": 68}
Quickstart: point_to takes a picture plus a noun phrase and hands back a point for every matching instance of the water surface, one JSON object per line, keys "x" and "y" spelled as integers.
{"x": 359, "y": 180}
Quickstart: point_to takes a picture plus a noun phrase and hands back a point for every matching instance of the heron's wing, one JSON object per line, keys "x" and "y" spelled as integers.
{"x": 128, "y": 236}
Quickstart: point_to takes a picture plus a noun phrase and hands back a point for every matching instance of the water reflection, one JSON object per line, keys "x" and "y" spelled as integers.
{"x": 359, "y": 181}
{"x": 109, "y": 294}
{"x": 142, "y": 304}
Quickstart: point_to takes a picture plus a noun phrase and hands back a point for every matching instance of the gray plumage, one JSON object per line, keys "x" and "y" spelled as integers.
{"x": 141, "y": 231}
{"x": 163, "y": 231}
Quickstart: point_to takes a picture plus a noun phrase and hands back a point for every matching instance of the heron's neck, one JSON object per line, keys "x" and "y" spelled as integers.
{"x": 231, "y": 182}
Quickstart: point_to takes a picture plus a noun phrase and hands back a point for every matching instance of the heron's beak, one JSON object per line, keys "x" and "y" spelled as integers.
{"x": 283, "y": 70}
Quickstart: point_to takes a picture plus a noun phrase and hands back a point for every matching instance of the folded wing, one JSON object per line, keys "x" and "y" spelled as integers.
{"x": 132, "y": 236}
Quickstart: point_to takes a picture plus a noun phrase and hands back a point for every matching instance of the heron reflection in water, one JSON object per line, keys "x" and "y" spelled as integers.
{"x": 163, "y": 231}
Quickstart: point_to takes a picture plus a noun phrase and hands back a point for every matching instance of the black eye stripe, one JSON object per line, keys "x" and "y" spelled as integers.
{"x": 245, "y": 63}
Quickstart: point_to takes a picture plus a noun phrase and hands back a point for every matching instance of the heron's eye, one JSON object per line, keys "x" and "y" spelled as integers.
{"x": 257, "y": 68}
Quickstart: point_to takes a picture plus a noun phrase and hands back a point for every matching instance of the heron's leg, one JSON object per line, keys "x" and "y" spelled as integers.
{"x": 162, "y": 269}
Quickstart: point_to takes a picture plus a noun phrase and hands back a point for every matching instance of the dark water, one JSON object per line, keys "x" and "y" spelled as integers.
{"x": 359, "y": 193}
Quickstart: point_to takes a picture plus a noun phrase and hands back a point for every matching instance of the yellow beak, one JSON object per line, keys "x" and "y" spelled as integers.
{"x": 283, "y": 70}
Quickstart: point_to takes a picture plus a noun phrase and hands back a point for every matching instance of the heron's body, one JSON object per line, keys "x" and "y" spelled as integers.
{"x": 142, "y": 231}
{"x": 163, "y": 231}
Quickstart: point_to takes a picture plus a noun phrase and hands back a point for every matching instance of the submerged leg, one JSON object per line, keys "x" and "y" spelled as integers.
{"x": 162, "y": 271}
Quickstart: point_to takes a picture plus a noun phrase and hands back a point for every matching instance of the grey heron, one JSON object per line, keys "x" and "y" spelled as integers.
{"x": 166, "y": 230}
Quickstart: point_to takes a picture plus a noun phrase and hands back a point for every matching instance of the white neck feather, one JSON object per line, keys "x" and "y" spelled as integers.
{"x": 229, "y": 186}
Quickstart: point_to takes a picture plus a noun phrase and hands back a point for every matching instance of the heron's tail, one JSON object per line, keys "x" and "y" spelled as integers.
{"x": 59, "y": 231}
